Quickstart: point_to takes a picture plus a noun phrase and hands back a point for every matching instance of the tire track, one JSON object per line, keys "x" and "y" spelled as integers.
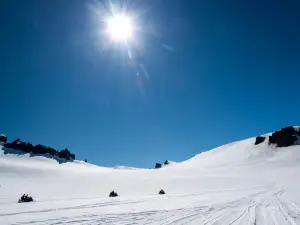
{"x": 73, "y": 207}
{"x": 257, "y": 208}
{"x": 241, "y": 216}
{"x": 286, "y": 215}
{"x": 291, "y": 208}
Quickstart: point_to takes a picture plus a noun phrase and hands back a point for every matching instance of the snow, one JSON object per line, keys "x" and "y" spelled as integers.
{"x": 125, "y": 168}
{"x": 237, "y": 183}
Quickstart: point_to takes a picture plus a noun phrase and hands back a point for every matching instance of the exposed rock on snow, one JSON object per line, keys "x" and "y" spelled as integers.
{"x": 259, "y": 140}
{"x": 27, "y": 147}
{"x": 3, "y": 138}
{"x": 157, "y": 165}
{"x": 284, "y": 137}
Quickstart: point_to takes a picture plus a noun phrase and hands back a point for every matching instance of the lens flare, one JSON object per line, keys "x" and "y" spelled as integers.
{"x": 120, "y": 28}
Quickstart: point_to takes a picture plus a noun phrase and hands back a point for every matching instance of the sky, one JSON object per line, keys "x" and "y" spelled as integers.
{"x": 214, "y": 72}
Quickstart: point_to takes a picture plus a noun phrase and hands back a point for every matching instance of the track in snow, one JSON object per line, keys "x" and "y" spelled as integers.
{"x": 261, "y": 207}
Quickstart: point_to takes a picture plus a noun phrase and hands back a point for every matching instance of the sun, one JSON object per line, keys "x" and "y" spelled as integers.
{"x": 120, "y": 28}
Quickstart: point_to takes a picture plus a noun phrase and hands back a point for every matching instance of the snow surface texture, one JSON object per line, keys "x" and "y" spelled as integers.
{"x": 238, "y": 183}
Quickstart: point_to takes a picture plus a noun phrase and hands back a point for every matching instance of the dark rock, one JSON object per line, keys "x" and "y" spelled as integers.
{"x": 85, "y": 160}
{"x": 72, "y": 156}
{"x": 16, "y": 141}
{"x": 19, "y": 145}
{"x": 161, "y": 192}
{"x": 259, "y": 140}
{"x": 298, "y": 131}
{"x": 39, "y": 149}
{"x": 51, "y": 151}
{"x": 289, "y": 130}
{"x": 166, "y": 162}
{"x": 66, "y": 154}
{"x": 25, "y": 198}
{"x": 29, "y": 147}
{"x": 113, "y": 194}
{"x": 7, "y": 145}
{"x": 23, "y": 146}
{"x": 284, "y": 137}
{"x": 3, "y": 138}
{"x": 157, "y": 165}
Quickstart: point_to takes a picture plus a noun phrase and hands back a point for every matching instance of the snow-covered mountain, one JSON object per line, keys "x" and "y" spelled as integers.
{"x": 238, "y": 183}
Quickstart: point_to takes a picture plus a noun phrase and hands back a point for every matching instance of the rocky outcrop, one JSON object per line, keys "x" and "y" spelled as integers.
{"x": 284, "y": 137}
{"x": 3, "y": 138}
{"x": 19, "y": 145}
{"x": 157, "y": 166}
{"x": 66, "y": 154}
{"x": 39, "y": 149}
{"x": 259, "y": 140}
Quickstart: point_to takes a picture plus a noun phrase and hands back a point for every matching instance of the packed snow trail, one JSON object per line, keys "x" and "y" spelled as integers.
{"x": 261, "y": 205}
{"x": 238, "y": 183}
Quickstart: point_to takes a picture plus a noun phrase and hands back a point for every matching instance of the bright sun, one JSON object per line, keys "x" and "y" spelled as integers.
{"x": 120, "y": 28}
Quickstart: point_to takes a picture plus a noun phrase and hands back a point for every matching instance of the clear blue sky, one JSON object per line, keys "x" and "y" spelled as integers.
{"x": 233, "y": 73}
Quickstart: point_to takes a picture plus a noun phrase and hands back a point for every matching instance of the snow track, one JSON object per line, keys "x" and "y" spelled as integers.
{"x": 261, "y": 207}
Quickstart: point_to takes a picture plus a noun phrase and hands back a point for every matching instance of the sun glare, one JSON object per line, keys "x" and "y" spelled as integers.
{"x": 120, "y": 28}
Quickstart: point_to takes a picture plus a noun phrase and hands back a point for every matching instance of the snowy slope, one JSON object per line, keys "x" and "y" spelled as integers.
{"x": 238, "y": 183}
